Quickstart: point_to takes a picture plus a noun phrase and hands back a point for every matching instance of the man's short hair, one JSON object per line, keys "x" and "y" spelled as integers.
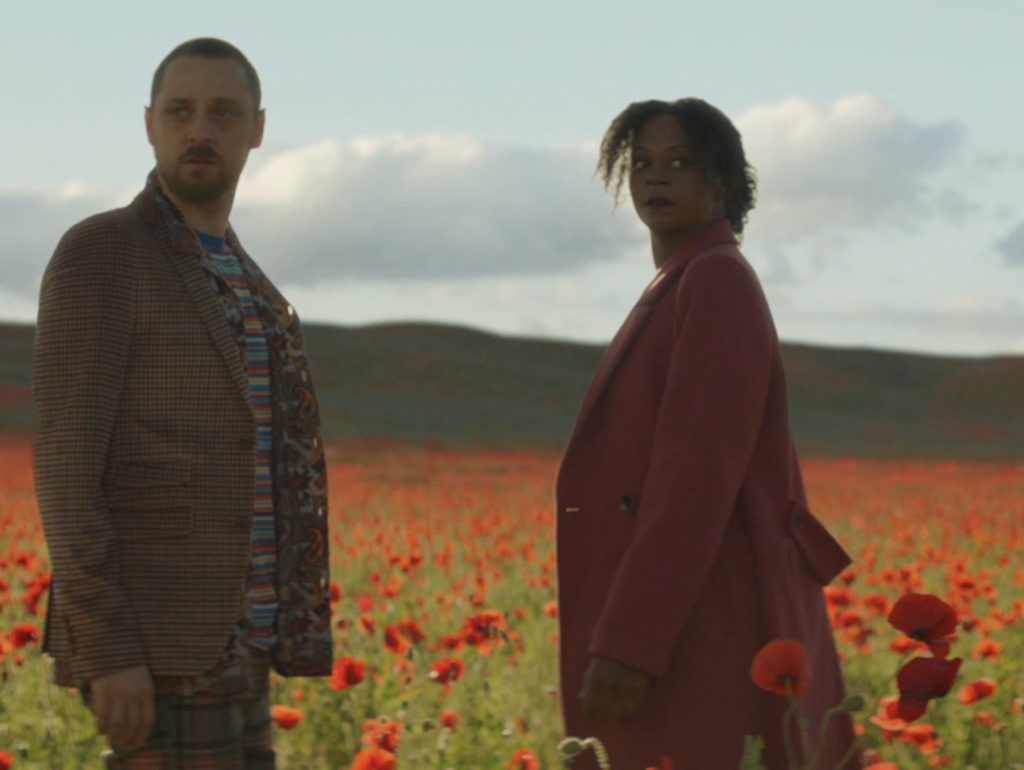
{"x": 211, "y": 48}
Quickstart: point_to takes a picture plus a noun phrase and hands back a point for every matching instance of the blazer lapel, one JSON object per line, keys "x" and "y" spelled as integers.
{"x": 180, "y": 246}
{"x": 212, "y": 314}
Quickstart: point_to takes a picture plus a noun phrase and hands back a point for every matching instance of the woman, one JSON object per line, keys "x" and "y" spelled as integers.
{"x": 684, "y": 540}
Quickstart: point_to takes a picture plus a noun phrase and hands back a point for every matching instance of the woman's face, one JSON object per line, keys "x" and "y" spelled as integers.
{"x": 669, "y": 190}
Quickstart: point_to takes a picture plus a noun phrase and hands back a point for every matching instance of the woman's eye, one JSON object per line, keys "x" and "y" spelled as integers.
{"x": 680, "y": 162}
{"x": 639, "y": 163}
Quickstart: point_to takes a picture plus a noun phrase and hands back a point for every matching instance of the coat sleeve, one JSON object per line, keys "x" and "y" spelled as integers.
{"x": 82, "y": 342}
{"x": 708, "y": 423}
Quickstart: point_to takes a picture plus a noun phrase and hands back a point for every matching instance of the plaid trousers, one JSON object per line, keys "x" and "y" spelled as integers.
{"x": 208, "y": 731}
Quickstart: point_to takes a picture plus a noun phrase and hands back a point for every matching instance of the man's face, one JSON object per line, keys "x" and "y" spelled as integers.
{"x": 202, "y": 124}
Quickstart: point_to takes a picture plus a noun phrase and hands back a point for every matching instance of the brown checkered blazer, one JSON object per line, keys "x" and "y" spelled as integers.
{"x": 146, "y": 449}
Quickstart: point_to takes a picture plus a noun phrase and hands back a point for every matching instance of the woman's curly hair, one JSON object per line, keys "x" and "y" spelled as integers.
{"x": 714, "y": 141}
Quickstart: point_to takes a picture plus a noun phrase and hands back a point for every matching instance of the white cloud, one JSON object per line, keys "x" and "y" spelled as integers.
{"x": 429, "y": 207}
{"x": 449, "y": 228}
{"x": 32, "y": 224}
{"x": 448, "y": 207}
{"x": 857, "y": 163}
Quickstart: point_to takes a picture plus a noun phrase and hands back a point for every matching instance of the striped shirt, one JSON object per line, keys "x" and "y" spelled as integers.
{"x": 262, "y": 579}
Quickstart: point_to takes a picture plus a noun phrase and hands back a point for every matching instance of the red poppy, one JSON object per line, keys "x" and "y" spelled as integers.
{"x": 985, "y": 719}
{"x": 347, "y": 671}
{"x": 453, "y": 641}
{"x": 446, "y": 670}
{"x": 6, "y": 760}
{"x": 412, "y": 631}
{"x": 395, "y": 640}
{"x": 927, "y": 619}
{"x": 374, "y": 759}
{"x": 382, "y": 734}
{"x": 904, "y": 644}
{"x": 666, "y": 764}
{"x": 782, "y": 667}
{"x": 922, "y": 679}
{"x": 286, "y": 717}
{"x": 26, "y": 633}
{"x": 450, "y": 719}
{"x": 976, "y": 690}
{"x": 524, "y": 760}
{"x": 987, "y": 648}
{"x": 838, "y": 596}
{"x": 877, "y": 603}
{"x": 483, "y": 626}
{"x": 923, "y": 737}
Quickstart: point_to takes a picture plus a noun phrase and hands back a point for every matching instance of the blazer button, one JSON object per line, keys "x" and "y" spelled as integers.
{"x": 244, "y": 522}
{"x": 798, "y": 522}
{"x": 627, "y": 503}
{"x": 246, "y": 442}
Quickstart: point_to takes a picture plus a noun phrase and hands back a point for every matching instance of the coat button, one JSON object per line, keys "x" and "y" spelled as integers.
{"x": 798, "y": 522}
{"x": 246, "y": 442}
{"x": 244, "y": 522}
{"x": 627, "y": 503}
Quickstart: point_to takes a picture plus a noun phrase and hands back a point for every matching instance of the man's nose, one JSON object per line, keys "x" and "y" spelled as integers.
{"x": 200, "y": 129}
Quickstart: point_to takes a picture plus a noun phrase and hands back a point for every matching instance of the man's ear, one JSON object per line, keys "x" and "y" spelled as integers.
{"x": 261, "y": 119}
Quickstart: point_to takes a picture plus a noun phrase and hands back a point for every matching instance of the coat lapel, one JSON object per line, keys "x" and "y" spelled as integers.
{"x": 666, "y": 277}
{"x": 617, "y": 349}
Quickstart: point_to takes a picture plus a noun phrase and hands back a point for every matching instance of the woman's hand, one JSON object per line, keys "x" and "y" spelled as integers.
{"x": 612, "y": 689}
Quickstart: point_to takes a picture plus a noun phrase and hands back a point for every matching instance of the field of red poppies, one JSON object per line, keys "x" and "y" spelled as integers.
{"x": 446, "y": 630}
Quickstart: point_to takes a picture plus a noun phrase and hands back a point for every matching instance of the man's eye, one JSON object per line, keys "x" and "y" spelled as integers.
{"x": 177, "y": 112}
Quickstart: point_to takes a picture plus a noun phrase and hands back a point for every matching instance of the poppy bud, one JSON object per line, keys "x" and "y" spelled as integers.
{"x": 853, "y": 704}
{"x": 570, "y": 748}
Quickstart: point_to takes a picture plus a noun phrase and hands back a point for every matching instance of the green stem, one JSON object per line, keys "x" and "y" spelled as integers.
{"x": 599, "y": 751}
{"x": 821, "y": 737}
{"x": 787, "y": 719}
{"x": 800, "y": 723}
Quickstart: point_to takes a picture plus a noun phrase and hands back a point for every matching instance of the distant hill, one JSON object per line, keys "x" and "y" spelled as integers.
{"x": 429, "y": 383}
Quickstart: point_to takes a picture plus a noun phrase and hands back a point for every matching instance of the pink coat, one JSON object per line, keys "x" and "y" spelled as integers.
{"x": 684, "y": 539}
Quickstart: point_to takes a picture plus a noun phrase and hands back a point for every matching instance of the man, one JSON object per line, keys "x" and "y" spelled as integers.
{"x": 179, "y": 464}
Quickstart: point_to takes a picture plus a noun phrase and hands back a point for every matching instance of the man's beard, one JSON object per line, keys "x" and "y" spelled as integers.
{"x": 202, "y": 191}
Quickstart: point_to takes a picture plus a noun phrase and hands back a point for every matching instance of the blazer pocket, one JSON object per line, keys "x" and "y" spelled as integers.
{"x": 144, "y": 522}
{"x": 151, "y": 498}
{"x": 145, "y": 472}
{"x": 824, "y": 556}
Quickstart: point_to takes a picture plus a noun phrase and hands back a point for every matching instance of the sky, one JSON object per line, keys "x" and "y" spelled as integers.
{"x": 435, "y": 161}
